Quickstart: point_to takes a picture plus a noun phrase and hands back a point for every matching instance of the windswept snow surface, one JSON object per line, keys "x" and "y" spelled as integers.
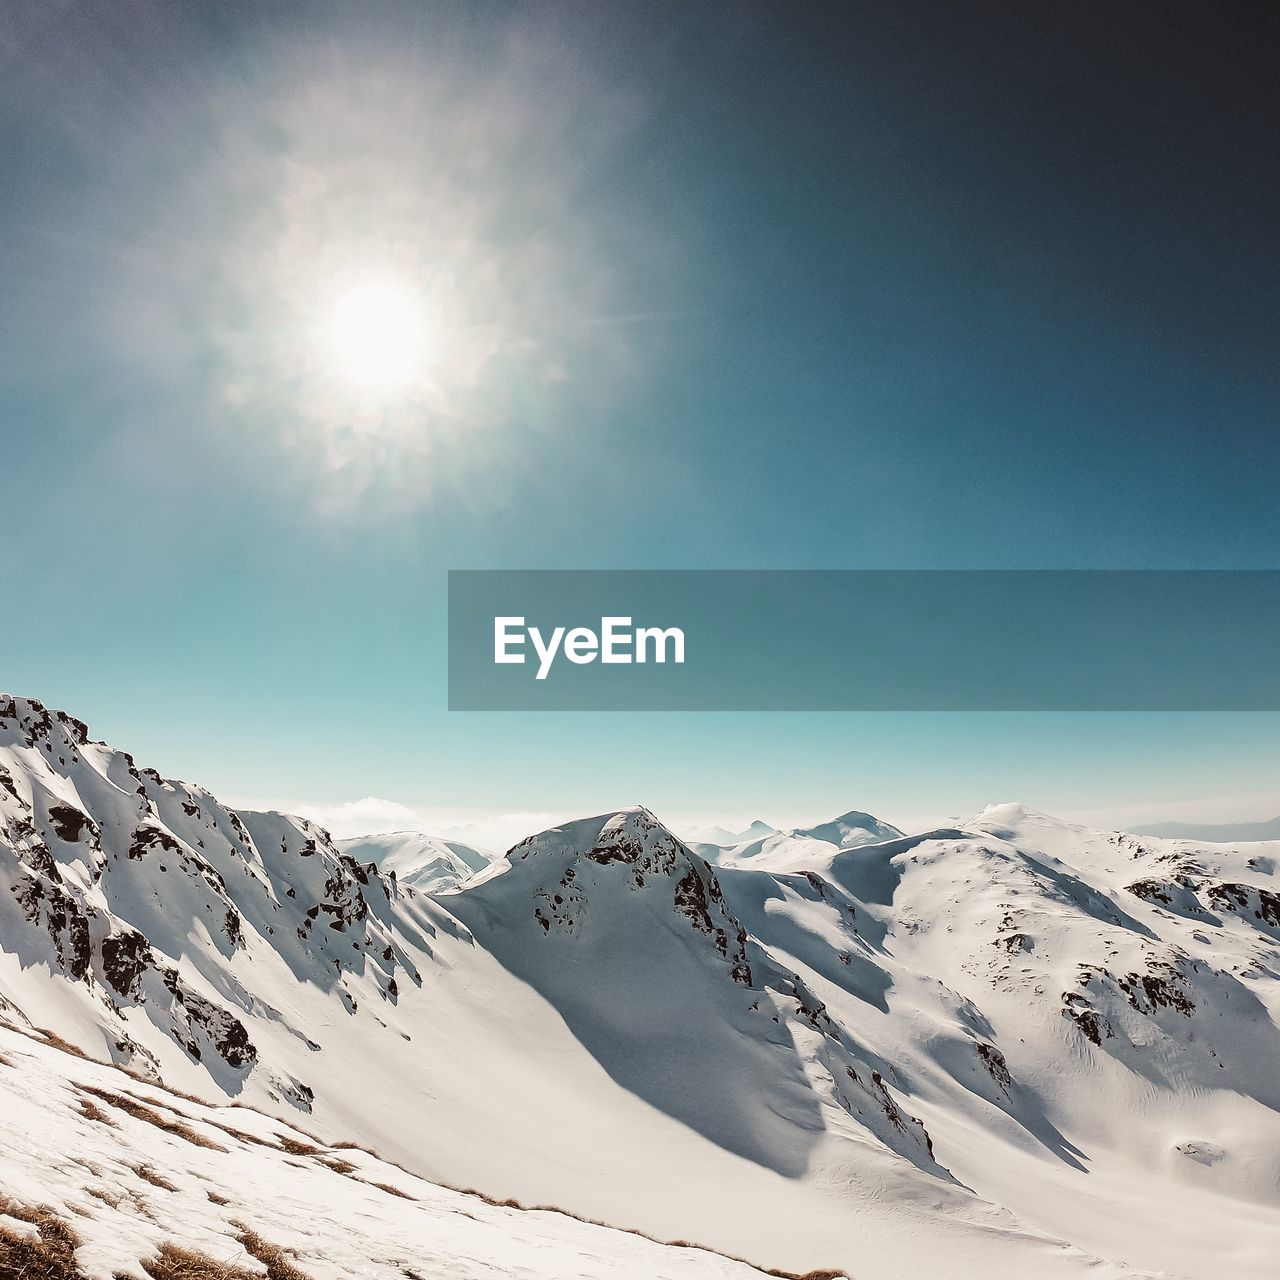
{"x": 131, "y": 1167}
{"x": 1014, "y": 1048}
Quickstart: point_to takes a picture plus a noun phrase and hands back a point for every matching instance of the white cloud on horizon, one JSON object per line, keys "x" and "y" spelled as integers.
{"x": 374, "y": 815}
{"x": 497, "y": 832}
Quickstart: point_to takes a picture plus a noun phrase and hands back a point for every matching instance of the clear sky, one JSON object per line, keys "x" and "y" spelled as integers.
{"x": 715, "y": 285}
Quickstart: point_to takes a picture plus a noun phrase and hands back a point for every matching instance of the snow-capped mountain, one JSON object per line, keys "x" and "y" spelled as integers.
{"x": 619, "y": 891}
{"x": 723, "y": 838}
{"x": 806, "y": 847}
{"x": 1014, "y": 1047}
{"x": 850, "y": 830}
{"x": 425, "y": 862}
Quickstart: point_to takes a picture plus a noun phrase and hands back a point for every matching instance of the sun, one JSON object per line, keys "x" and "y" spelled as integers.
{"x": 377, "y": 338}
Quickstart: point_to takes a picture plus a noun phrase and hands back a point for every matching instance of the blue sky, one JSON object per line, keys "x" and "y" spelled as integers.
{"x": 879, "y": 286}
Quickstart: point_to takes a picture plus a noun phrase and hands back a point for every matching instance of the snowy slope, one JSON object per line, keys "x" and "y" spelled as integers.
{"x": 424, "y": 862}
{"x": 618, "y": 896}
{"x": 1013, "y": 1048}
{"x": 136, "y": 1170}
{"x": 1085, "y": 1022}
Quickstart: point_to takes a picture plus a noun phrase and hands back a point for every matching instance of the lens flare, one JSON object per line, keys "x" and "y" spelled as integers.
{"x": 377, "y": 338}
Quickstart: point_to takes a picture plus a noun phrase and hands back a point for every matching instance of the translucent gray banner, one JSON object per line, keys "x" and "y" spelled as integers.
{"x": 864, "y": 640}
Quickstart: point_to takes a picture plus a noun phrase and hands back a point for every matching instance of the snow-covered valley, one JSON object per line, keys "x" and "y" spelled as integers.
{"x": 1013, "y": 1048}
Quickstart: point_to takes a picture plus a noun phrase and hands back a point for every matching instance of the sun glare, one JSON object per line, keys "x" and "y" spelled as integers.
{"x": 378, "y": 339}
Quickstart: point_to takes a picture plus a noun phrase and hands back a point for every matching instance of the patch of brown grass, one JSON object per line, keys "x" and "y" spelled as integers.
{"x": 296, "y": 1148}
{"x": 389, "y": 1189}
{"x": 148, "y": 1174}
{"x": 48, "y": 1255}
{"x": 53, "y": 1038}
{"x": 143, "y": 1078}
{"x": 91, "y": 1111}
{"x": 240, "y": 1135}
{"x": 130, "y": 1106}
{"x": 271, "y": 1256}
{"x": 98, "y": 1193}
{"x": 172, "y": 1262}
{"x": 216, "y": 1198}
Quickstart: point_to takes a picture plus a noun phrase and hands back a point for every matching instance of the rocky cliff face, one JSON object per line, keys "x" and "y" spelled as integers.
{"x": 151, "y": 896}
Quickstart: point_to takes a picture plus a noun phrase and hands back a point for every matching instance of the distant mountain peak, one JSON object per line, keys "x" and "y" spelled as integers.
{"x": 426, "y": 863}
{"x": 852, "y": 828}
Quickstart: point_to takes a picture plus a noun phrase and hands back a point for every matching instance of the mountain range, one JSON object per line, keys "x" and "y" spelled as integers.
{"x": 1011, "y": 1047}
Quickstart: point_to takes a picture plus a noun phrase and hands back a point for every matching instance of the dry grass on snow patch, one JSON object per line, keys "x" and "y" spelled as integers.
{"x": 53, "y": 1038}
{"x": 47, "y": 1253}
{"x": 388, "y": 1188}
{"x": 91, "y": 1111}
{"x": 822, "y": 1273}
{"x": 172, "y": 1262}
{"x": 148, "y": 1174}
{"x": 131, "y": 1106}
{"x": 271, "y": 1256}
{"x": 296, "y": 1148}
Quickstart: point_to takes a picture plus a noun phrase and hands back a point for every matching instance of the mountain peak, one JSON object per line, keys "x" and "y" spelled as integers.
{"x": 1012, "y": 816}
{"x": 561, "y": 877}
{"x": 632, "y": 838}
{"x": 35, "y": 721}
{"x": 850, "y": 829}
